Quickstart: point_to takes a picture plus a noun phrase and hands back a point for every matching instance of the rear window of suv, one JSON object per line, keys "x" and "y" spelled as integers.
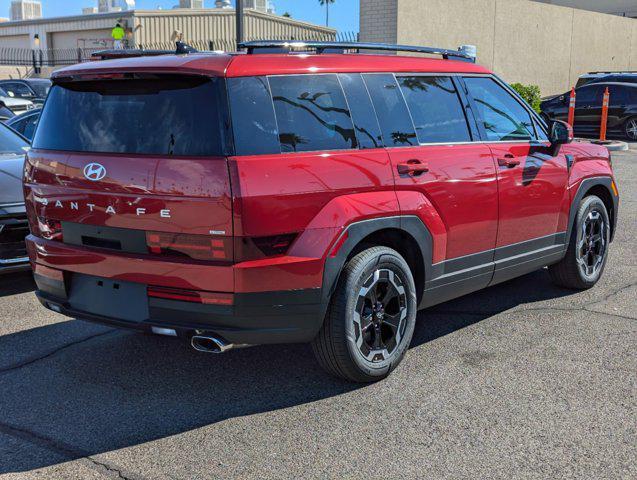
{"x": 163, "y": 115}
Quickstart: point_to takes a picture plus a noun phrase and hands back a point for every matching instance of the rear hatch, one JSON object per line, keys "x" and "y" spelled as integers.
{"x": 132, "y": 169}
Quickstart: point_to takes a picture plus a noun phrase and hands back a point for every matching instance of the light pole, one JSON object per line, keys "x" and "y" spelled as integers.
{"x": 239, "y": 15}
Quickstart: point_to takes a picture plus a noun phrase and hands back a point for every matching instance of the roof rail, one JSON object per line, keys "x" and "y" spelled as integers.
{"x": 282, "y": 46}
{"x": 181, "y": 48}
{"x": 613, "y": 73}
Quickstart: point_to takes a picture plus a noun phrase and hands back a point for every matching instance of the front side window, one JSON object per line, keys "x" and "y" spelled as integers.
{"x": 435, "y": 109}
{"x": 160, "y": 115}
{"x": 311, "y": 113}
{"x": 501, "y": 115}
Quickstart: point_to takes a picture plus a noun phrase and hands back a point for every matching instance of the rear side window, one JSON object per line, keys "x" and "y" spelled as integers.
{"x": 502, "y": 116}
{"x": 165, "y": 115}
{"x": 393, "y": 116}
{"x": 252, "y": 112}
{"x": 435, "y": 109}
{"x": 588, "y": 95}
{"x": 311, "y": 113}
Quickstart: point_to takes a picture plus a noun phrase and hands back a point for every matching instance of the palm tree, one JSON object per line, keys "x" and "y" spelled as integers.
{"x": 327, "y": 10}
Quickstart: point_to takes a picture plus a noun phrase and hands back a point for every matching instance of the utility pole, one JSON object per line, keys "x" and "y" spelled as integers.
{"x": 239, "y": 14}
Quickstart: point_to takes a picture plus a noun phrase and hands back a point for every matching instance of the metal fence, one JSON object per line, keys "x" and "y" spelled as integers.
{"x": 56, "y": 57}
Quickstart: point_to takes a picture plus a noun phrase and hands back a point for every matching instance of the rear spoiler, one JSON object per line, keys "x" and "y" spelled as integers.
{"x": 181, "y": 49}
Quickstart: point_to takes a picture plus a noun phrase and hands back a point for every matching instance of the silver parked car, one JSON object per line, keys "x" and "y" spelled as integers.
{"x": 14, "y": 105}
{"x": 13, "y": 218}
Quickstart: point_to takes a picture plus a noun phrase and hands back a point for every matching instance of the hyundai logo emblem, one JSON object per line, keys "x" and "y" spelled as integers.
{"x": 94, "y": 172}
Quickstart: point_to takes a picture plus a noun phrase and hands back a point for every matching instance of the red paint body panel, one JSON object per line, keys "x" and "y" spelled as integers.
{"x": 288, "y": 192}
{"x": 462, "y": 189}
{"x": 531, "y": 193}
{"x": 263, "y": 64}
{"x": 195, "y": 192}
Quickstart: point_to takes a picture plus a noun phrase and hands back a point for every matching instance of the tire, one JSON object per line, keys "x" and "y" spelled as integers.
{"x": 630, "y": 128}
{"x": 591, "y": 233}
{"x": 360, "y": 340}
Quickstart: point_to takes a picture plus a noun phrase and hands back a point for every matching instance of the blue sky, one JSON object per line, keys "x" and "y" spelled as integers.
{"x": 343, "y": 14}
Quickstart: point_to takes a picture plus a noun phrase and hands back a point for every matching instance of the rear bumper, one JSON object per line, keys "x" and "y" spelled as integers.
{"x": 286, "y": 315}
{"x": 254, "y": 319}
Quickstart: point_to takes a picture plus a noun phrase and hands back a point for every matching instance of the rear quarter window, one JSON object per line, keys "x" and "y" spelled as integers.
{"x": 311, "y": 113}
{"x": 165, "y": 115}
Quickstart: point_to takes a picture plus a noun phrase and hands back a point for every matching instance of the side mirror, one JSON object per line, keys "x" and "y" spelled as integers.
{"x": 561, "y": 133}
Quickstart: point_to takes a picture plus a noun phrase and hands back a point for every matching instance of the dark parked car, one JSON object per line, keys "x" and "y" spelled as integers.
{"x": 13, "y": 218}
{"x": 33, "y": 89}
{"x": 622, "y": 111}
{"x": 25, "y": 123}
{"x": 591, "y": 77}
{"x": 615, "y": 77}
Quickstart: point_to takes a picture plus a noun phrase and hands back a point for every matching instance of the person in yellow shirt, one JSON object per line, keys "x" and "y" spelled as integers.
{"x": 118, "y": 34}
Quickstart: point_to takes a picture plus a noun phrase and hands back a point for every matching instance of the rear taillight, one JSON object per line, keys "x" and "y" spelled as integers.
{"x": 254, "y": 248}
{"x": 197, "y": 247}
{"x": 49, "y": 229}
{"x": 194, "y": 296}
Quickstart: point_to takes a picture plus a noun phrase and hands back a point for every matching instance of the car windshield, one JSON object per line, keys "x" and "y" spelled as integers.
{"x": 11, "y": 142}
{"x": 3, "y": 92}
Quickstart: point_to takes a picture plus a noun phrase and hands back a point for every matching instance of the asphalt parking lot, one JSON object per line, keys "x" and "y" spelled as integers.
{"x": 522, "y": 380}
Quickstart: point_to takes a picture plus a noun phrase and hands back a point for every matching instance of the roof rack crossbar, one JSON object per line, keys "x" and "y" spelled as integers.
{"x": 334, "y": 47}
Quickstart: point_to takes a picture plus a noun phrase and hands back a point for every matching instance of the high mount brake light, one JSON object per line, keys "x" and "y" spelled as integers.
{"x": 197, "y": 247}
{"x": 194, "y": 296}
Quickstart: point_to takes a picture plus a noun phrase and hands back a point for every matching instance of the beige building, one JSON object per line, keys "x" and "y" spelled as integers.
{"x": 154, "y": 27}
{"x": 520, "y": 40}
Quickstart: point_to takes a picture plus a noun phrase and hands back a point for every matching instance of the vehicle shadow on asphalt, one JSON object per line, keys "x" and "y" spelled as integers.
{"x": 15, "y": 283}
{"x": 101, "y": 390}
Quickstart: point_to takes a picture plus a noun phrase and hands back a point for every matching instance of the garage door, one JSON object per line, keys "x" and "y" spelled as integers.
{"x": 14, "y": 41}
{"x": 82, "y": 39}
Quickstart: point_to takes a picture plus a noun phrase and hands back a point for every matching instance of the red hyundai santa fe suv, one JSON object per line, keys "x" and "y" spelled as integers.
{"x": 324, "y": 196}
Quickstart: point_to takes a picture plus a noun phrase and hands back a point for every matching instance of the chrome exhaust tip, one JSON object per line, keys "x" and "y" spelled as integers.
{"x": 210, "y": 344}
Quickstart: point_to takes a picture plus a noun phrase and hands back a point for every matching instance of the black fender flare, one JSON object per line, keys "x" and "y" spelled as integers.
{"x": 584, "y": 187}
{"x": 357, "y": 231}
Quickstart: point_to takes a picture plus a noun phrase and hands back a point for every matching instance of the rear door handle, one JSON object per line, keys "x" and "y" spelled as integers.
{"x": 413, "y": 167}
{"x": 508, "y": 161}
